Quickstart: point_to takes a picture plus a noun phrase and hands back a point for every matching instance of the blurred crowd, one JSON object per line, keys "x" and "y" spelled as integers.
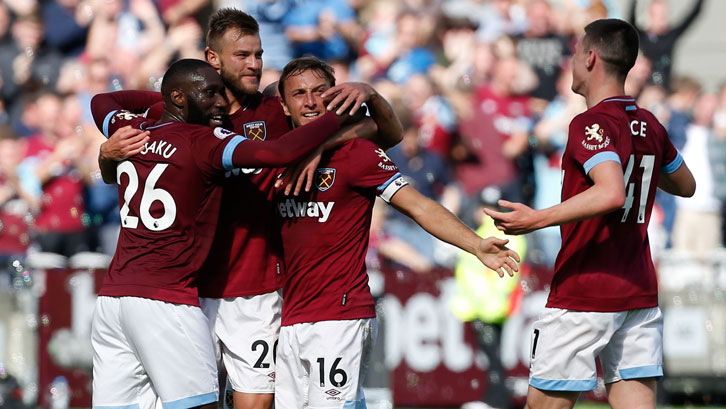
{"x": 482, "y": 88}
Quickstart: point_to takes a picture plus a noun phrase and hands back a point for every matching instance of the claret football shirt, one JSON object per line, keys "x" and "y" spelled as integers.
{"x": 605, "y": 263}
{"x": 325, "y": 234}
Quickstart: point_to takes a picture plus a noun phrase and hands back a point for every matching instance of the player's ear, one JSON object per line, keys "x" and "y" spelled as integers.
{"x": 590, "y": 60}
{"x": 284, "y": 107}
{"x": 178, "y": 98}
{"x": 212, "y": 58}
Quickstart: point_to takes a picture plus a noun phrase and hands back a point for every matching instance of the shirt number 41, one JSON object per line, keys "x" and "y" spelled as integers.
{"x": 647, "y": 163}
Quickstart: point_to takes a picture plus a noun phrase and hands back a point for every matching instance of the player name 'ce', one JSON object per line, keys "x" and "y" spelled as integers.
{"x": 161, "y": 148}
{"x": 292, "y": 208}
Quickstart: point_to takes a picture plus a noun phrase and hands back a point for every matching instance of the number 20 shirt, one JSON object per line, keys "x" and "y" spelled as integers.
{"x": 325, "y": 234}
{"x": 605, "y": 263}
{"x": 169, "y": 209}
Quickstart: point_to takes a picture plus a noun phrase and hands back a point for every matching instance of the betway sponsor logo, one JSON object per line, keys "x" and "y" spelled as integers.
{"x": 292, "y": 208}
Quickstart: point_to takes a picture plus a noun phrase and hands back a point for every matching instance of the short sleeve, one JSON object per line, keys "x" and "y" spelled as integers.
{"x": 118, "y": 119}
{"x": 591, "y": 141}
{"x": 214, "y": 149}
{"x": 671, "y": 159}
{"x": 374, "y": 169}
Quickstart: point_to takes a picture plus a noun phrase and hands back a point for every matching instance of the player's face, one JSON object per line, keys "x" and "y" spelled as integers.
{"x": 240, "y": 62}
{"x": 302, "y": 100}
{"x": 207, "y": 102}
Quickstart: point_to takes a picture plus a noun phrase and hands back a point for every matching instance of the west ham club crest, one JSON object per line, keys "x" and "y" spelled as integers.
{"x": 255, "y": 131}
{"x": 324, "y": 178}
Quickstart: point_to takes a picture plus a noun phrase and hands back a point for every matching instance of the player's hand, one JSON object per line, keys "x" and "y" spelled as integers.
{"x": 301, "y": 175}
{"x": 521, "y": 220}
{"x": 348, "y": 96}
{"x": 493, "y": 253}
{"x": 124, "y": 143}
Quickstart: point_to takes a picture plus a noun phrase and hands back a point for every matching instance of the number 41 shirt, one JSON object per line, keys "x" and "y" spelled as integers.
{"x": 604, "y": 263}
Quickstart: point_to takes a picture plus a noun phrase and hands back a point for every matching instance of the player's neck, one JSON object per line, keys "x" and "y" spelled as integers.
{"x": 237, "y": 102}
{"x": 602, "y": 91}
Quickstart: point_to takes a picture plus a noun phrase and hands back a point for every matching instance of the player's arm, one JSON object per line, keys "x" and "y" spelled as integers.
{"x": 445, "y": 226}
{"x": 349, "y": 96}
{"x": 289, "y": 148}
{"x": 104, "y": 105}
{"x": 606, "y": 194}
{"x": 679, "y": 183}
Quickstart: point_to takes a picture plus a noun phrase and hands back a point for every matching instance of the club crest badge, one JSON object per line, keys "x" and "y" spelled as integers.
{"x": 255, "y": 131}
{"x": 324, "y": 178}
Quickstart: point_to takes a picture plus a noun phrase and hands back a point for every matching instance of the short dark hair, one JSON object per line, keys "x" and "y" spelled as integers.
{"x": 300, "y": 65}
{"x": 229, "y": 19}
{"x": 616, "y": 42}
{"x": 180, "y": 73}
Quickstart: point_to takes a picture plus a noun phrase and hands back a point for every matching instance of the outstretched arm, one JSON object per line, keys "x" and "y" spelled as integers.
{"x": 605, "y": 195}
{"x": 133, "y": 101}
{"x": 690, "y": 18}
{"x": 445, "y": 226}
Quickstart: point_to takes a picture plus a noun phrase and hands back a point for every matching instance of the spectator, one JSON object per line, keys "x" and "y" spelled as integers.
{"x": 542, "y": 48}
{"x": 14, "y": 208}
{"x": 658, "y": 39}
{"x": 55, "y": 162}
{"x": 432, "y": 114}
{"x": 320, "y": 28}
{"x": 497, "y": 132}
{"x": 23, "y": 61}
{"x": 697, "y": 226}
{"x": 67, "y": 23}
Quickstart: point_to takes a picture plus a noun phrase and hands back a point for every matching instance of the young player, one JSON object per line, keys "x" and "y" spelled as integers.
{"x": 604, "y": 297}
{"x": 149, "y": 336}
{"x": 328, "y": 316}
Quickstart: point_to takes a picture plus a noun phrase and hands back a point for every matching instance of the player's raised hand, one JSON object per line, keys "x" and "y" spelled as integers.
{"x": 494, "y": 253}
{"x": 347, "y": 96}
{"x": 124, "y": 143}
{"x": 520, "y": 220}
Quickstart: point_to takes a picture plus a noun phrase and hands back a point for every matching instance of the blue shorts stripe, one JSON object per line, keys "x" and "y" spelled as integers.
{"x": 229, "y": 151}
{"x": 649, "y": 371}
{"x": 563, "y": 384}
{"x": 673, "y": 166}
{"x": 599, "y": 158}
{"x": 355, "y": 404}
{"x": 191, "y": 401}
{"x": 389, "y": 181}
{"x": 106, "y": 121}
{"x": 133, "y": 406}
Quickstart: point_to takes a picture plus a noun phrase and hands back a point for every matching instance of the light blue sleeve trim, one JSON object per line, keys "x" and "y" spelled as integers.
{"x": 355, "y": 404}
{"x": 229, "y": 151}
{"x": 673, "y": 166}
{"x": 134, "y": 406}
{"x": 563, "y": 385}
{"x": 383, "y": 187}
{"x": 650, "y": 371}
{"x": 599, "y": 158}
{"x": 191, "y": 402}
{"x": 106, "y": 120}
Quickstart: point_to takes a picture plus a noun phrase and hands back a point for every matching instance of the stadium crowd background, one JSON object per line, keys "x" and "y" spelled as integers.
{"x": 482, "y": 88}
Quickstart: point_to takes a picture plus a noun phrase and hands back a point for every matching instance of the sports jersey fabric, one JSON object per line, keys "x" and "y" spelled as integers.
{"x": 325, "y": 234}
{"x": 605, "y": 263}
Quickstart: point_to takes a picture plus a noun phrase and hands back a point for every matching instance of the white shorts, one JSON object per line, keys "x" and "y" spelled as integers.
{"x": 323, "y": 364}
{"x": 245, "y": 330}
{"x": 147, "y": 349}
{"x": 565, "y": 344}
